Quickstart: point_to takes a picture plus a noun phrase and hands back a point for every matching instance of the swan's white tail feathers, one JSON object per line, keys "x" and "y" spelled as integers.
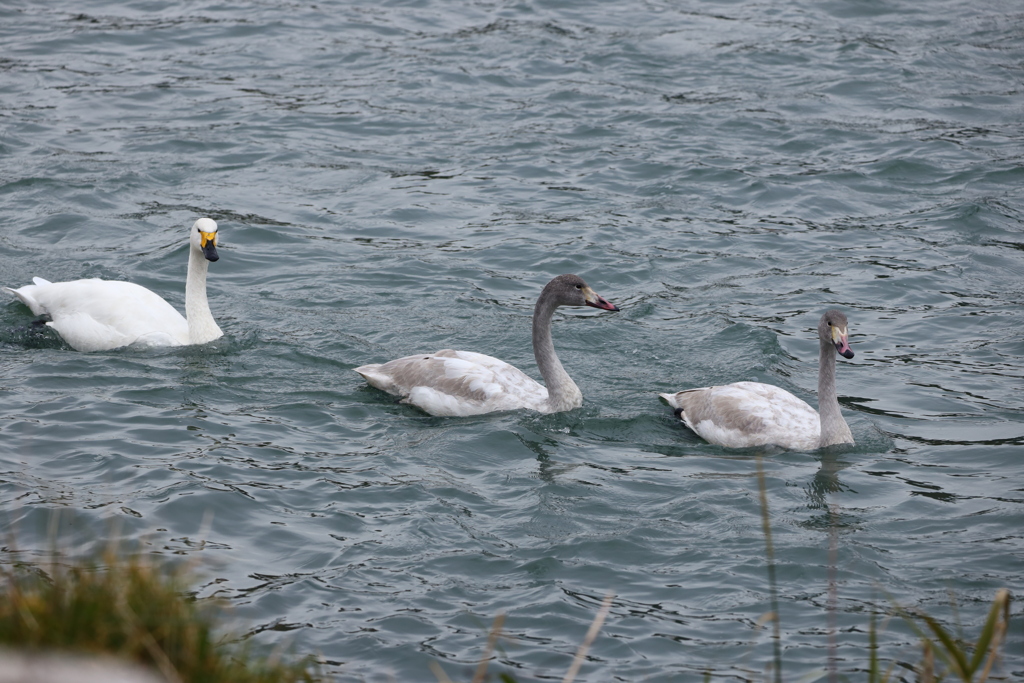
{"x": 40, "y": 281}
{"x": 669, "y": 399}
{"x": 27, "y": 298}
{"x": 374, "y": 378}
{"x": 676, "y": 400}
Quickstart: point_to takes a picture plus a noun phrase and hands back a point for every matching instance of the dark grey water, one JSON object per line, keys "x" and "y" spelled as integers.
{"x": 397, "y": 177}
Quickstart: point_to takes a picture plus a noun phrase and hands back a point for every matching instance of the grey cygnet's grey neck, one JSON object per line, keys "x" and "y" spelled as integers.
{"x": 833, "y": 427}
{"x": 563, "y": 394}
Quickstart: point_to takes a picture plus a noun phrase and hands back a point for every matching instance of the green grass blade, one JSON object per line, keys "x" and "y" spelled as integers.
{"x": 999, "y": 605}
{"x": 952, "y": 653}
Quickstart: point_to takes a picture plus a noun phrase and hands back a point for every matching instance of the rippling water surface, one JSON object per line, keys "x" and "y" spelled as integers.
{"x": 398, "y": 177}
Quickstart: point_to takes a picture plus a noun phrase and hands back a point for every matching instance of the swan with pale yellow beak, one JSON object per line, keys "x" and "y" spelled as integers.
{"x": 98, "y": 315}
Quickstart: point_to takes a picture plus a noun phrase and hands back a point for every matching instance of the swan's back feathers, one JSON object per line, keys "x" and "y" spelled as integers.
{"x": 94, "y": 314}
{"x": 456, "y": 383}
{"x": 747, "y": 414}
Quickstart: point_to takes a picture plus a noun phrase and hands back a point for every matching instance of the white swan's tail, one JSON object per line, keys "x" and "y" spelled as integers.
{"x": 25, "y": 294}
{"x": 670, "y": 399}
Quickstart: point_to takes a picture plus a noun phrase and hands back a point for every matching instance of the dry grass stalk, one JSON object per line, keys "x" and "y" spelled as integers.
{"x": 595, "y": 627}
{"x": 492, "y": 641}
{"x": 766, "y": 527}
{"x": 439, "y": 673}
{"x": 928, "y": 664}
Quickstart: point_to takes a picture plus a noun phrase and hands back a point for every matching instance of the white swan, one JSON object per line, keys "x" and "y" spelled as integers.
{"x": 460, "y": 383}
{"x": 748, "y": 414}
{"x": 96, "y": 315}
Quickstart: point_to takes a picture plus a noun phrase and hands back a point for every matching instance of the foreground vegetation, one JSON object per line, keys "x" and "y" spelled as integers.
{"x": 945, "y": 654}
{"x": 130, "y": 608}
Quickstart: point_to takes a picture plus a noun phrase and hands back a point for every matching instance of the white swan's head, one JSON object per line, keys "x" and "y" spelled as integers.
{"x": 571, "y": 290}
{"x": 832, "y": 330}
{"x": 204, "y": 238}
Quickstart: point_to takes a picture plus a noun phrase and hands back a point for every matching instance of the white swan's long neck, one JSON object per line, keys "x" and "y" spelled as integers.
{"x": 563, "y": 394}
{"x": 833, "y": 427}
{"x": 202, "y": 327}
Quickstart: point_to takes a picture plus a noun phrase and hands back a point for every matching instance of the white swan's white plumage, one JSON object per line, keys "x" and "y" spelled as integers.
{"x": 750, "y": 414}
{"x": 462, "y": 383}
{"x": 96, "y": 315}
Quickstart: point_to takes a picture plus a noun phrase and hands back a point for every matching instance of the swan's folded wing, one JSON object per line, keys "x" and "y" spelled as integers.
{"x": 507, "y": 375}
{"x": 84, "y": 333}
{"x": 446, "y": 373}
{"x": 783, "y": 411}
{"x": 748, "y": 414}
{"x": 455, "y": 383}
{"x": 94, "y": 314}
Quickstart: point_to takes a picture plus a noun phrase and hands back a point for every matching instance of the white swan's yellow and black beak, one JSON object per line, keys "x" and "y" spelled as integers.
{"x": 840, "y": 340}
{"x": 596, "y": 301}
{"x": 208, "y": 242}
